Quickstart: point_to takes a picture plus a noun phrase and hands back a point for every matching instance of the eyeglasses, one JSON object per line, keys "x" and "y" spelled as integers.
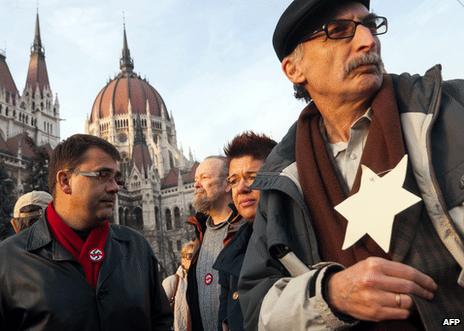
{"x": 103, "y": 176}
{"x": 342, "y": 29}
{"x": 248, "y": 178}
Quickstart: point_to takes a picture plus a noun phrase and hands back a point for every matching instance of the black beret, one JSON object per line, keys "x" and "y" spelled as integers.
{"x": 299, "y": 19}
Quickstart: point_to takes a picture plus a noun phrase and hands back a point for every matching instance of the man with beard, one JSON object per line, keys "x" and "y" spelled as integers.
{"x": 72, "y": 270}
{"x": 309, "y": 264}
{"x": 215, "y": 222}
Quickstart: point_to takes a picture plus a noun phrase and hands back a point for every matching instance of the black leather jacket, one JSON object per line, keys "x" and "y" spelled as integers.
{"x": 42, "y": 287}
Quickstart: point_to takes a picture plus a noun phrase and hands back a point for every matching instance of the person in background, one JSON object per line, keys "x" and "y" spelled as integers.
{"x": 175, "y": 287}
{"x": 245, "y": 155}
{"x": 27, "y": 210}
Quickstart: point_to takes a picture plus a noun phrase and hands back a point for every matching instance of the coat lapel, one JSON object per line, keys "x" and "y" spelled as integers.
{"x": 114, "y": 252}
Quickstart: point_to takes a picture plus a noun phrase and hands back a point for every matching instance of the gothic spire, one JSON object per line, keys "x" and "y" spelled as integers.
{"x": 37, "y": 45}
{"x": 126, "y": 63}
{"x": 37, "y": 74}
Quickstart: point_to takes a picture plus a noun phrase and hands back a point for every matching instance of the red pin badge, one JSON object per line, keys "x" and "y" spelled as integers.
{"x": 208, "y": 279}
{"x": 96, "y": 255}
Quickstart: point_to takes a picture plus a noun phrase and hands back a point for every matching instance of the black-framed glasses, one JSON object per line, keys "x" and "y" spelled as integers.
{"x": 342, "y": 28}
{"x": 104, "y": 175}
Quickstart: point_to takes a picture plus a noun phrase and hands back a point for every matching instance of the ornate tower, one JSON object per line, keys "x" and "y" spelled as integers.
{"x": 38, "y": 99}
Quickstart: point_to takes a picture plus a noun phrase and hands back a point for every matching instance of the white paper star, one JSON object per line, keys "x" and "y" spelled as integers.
{"x": 373, "y": 208}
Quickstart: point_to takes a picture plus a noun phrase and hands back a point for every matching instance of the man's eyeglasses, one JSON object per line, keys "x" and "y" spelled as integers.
{"x": 234, "y": 180}
{"x": 342, "y": 29}
{"x": 103, "y": 176}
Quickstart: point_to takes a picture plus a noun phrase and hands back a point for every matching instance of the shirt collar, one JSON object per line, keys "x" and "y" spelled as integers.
{"x": 340, "y": 146}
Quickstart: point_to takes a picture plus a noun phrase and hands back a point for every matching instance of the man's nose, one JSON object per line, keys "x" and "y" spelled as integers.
{"x": 112, "y": 186}
{"x": 364, "y": 38}
{"x": 197, "y": 184}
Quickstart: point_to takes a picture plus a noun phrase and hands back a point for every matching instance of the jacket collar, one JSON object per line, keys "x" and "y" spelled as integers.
{"x": 230, "y": 259}
{"x": 40, "y": 237}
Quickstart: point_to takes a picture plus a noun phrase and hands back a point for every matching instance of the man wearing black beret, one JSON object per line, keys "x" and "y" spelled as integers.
{"x": 360, "y": 222}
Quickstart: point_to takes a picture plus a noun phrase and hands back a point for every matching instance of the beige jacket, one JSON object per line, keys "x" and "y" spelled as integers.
{"x": 181, "y": 310}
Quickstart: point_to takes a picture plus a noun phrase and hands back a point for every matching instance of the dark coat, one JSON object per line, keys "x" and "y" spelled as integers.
{"x": 42, "y": 287}
{"x": 229, "y": 263}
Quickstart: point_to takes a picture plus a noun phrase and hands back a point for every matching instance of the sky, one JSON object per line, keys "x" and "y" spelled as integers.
{"x": 211, "y": 61}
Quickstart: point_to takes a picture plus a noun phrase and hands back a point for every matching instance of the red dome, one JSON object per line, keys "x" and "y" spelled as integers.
{"x": 117, "y": 93}
{"x": 127, "y": 86}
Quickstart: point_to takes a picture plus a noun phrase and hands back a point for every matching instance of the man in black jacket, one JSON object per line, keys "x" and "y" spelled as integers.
{"x": 71, "y": 270}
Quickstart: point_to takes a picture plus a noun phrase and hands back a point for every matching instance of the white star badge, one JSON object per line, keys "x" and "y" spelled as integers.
{"x": 373, "y": 208}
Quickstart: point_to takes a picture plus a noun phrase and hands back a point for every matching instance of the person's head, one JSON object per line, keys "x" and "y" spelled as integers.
{"x": 84, "y": 178}
{"x": 330, "y": 49}
{"x": 187, "y": 253}
{"x": 246, "y": 154}
{"x": 211, "y": 188}
{"x": 28, "y": 209}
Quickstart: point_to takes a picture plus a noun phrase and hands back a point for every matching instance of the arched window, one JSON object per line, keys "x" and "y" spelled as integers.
{"x": 126, "y": 216}
{"x": 136, "y": 219}
{"x": 177, "y": 218}
{"x": 167, "y": 214}
{"x": 171, "y": 160}
{"x": 157, "y": 218}
{"x": 121, "y": 216}
{"x": 191, "y": 210}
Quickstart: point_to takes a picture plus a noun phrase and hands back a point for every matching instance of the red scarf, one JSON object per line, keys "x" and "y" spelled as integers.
{"x": 89, "y": 254}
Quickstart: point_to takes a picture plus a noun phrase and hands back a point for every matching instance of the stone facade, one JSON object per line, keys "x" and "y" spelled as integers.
{"x": 156, "y": 199}
{"x": 30, "y": 118}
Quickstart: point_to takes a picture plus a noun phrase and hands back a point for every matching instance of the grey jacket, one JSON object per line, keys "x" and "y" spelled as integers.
{"x": 432, "y": 118}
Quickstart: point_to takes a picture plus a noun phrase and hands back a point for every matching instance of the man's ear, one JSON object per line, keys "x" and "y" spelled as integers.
{"x": 293, "y": 71}
{"x": 63, "y": 181}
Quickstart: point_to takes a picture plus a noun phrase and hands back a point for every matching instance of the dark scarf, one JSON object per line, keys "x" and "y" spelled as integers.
{"x": 80, "y": 250}
{"x": 322, "y": 190}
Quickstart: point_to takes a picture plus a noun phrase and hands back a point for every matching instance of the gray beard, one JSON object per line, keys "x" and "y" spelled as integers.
{"x": 202, "y": 204}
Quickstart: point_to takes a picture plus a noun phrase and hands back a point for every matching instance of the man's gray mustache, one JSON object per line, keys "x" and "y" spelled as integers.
{"x": 371, "y": 58}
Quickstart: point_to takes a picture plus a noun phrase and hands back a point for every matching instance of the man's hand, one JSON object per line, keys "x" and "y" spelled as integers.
{"x": 376, "y": 289}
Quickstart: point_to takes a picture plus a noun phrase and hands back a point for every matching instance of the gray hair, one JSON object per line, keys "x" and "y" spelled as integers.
{"x": 225, "y": 167}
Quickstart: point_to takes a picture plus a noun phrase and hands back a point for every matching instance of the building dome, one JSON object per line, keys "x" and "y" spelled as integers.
{"x": 124, "y": 89}
{"x": 127, "y": 88}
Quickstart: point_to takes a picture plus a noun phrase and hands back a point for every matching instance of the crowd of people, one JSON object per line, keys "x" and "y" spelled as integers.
{"x": 271, "y": 249}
